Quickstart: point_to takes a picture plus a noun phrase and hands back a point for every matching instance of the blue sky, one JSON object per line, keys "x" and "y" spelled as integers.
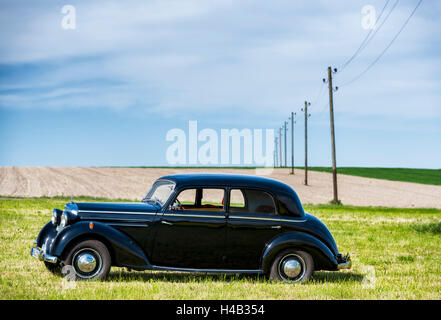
{"x": 107, "y": 92}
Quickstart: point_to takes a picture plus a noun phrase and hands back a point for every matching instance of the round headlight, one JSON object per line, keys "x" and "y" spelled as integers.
{"x": 64, "y": 220}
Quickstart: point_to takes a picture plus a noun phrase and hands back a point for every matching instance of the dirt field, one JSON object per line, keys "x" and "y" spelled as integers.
{"x": 133, "y": 183}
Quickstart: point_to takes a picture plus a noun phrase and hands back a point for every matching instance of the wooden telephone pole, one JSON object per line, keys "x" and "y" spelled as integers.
{"x": 292, "y": 141}
{"x": 306, "y": 140}
{"x": 284, "y": 132}
{"x": 331, "y": 111}
{"x": 280, "y": 146}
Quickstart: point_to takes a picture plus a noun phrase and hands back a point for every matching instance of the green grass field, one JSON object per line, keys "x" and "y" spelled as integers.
{"x": 396, "y": 255}
{"x": 424, "y": 176}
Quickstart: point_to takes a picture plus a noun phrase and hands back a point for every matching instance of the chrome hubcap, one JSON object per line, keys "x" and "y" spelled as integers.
{"x": 86, "y": 262}
{"x": 291, "y": 267}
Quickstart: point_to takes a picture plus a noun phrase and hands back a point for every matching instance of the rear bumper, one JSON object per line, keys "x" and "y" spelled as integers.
{"x": 344, "y": 262}
{"x": 40, "y": 254}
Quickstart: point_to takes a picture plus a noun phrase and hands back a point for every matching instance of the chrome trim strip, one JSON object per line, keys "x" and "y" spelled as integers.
{"x": 206, "y": 270}
{"x": 117, "y": 212}
{"x": 232, "y": 217}
{"x": 269, "y": 219}
{"x": 192, "y": 215}
{"x": 128, "y": 225}
{"x": 109, "y": 218}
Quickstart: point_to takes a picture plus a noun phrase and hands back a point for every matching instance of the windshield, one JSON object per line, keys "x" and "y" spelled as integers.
{"x": 160, "y": 192}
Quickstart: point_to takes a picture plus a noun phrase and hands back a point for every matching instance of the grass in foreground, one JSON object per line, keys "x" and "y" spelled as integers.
{"x": 424, "y": 176}
{"x": 396, "y": 255}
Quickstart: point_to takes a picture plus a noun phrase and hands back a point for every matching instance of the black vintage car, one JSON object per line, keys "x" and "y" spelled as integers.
{"x": 219, "y": 223}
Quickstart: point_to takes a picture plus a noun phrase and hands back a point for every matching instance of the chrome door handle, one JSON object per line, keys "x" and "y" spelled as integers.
{"x": 167, "y": 223}
{"x": 276, "y": 227}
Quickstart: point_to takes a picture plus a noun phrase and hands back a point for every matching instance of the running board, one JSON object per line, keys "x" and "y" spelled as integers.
{"x": 158, "y": 268}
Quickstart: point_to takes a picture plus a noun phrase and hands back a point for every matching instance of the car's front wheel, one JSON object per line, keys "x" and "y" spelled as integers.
{"x": 292, "y": 266}
{"x": 89, "y": 260}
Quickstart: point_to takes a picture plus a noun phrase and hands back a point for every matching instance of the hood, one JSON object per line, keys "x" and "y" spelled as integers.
{"x": 115, "y": 207}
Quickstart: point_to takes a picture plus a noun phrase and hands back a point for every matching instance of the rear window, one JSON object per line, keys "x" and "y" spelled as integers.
{"x": 251, "y": 201}
{"x": 237, "y": 199}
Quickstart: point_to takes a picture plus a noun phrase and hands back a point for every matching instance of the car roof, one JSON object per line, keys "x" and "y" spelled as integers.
{"x": 224, "y": 179}
{"x": 287, "y": 196}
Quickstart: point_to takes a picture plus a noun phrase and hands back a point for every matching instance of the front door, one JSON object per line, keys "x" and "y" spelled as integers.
{"x": 192, "y": 232}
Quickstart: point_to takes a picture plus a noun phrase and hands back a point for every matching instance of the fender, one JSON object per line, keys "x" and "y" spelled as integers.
{"x": 324, "y": 259}
{"x": 49, "y": 231}
{"x": 125, "y": 251}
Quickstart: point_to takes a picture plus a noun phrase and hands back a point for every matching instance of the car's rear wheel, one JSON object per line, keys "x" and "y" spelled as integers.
{"x": 89, "y": 259}
{"x": 292, "y": 266}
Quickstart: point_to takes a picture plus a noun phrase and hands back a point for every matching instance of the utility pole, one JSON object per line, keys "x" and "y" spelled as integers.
{"x": 280, "y": 146}
{"x": 306, "y": 140}
{"x": 331, "y": 111}
{"x": 292, "y": 141}
{"x": 284, "y": 128}
{"x": 275, "y": 152}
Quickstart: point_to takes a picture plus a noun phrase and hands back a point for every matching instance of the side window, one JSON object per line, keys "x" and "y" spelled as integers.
{"x": 212, "y": 199}
{"x": 254, "y": 201}
{"x": 200, "y": 200}
{"x": 187, "y": 197}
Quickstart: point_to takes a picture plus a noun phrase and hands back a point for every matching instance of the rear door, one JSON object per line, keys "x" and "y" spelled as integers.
{"x": 192, "y": 232}
{"x": 252, "y": 222}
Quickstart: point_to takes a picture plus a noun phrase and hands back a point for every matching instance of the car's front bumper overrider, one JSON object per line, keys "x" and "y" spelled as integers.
{"x": 41, "y": 254}
{"x": 344, "y": 262}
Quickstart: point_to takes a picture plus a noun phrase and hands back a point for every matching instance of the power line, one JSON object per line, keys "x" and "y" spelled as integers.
{"x": 319, "y": 94}
{"x": 385, "y": 49}
{"x": 324, "y": 108}
{"x": 382, "y": 23}
{"x": 365, "y": 40}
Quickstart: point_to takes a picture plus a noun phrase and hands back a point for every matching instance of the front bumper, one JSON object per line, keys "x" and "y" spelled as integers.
{"x": 344, "y": 262}
{"x": 40, "y": 254}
